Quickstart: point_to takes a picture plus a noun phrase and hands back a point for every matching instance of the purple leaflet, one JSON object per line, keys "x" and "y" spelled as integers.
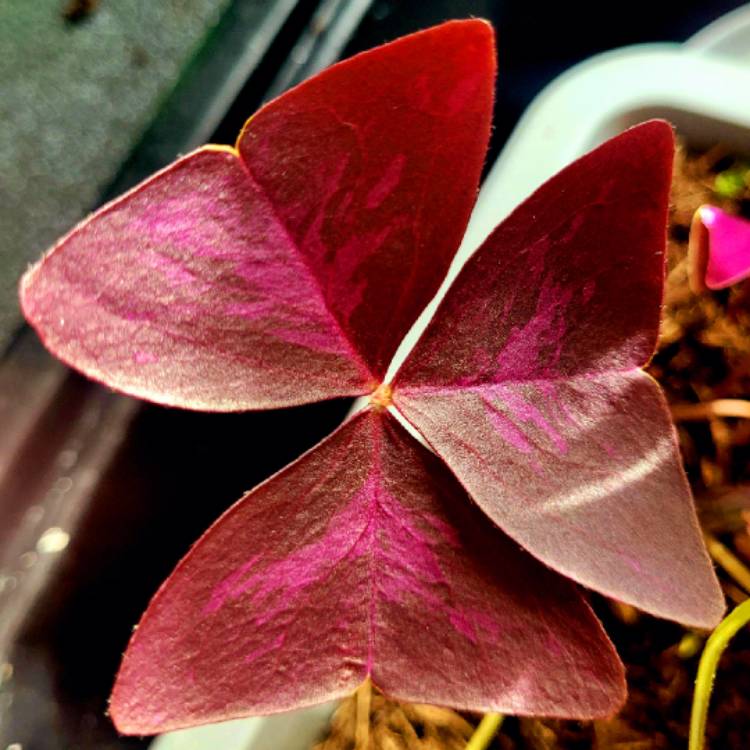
{"x": 527, "y": 383}
{"x": 187, "y": 291}
{"x": 364, "y": 557}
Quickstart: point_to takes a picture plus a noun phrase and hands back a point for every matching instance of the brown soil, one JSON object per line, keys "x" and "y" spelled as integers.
{"x": 703, "y": 355}
{"x": 76, "y": 11}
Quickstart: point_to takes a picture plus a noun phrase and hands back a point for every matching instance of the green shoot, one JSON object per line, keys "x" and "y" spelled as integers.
{"x": 732, "y": 183}
{"x": 719, "y": 640}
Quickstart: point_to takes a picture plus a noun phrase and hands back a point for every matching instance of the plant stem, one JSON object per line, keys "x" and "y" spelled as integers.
{"x": 704, "y": 682}
{"x": 733, "y": 592}
{"x": 484, "y": 733}
{"x": 729, "y": 561}
{"x": 362, "y": 726}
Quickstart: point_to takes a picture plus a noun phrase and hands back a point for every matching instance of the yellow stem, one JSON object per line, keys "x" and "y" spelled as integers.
{"x": 729, "y": 561}
{"x": 704, "y": 682}
{"x": 362, "y": 726}
{"x": 721, "y": 407}
{"x": 484, "y": 733}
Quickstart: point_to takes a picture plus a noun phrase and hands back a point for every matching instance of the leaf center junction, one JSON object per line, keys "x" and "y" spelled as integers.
{"x": 381, "y": 397}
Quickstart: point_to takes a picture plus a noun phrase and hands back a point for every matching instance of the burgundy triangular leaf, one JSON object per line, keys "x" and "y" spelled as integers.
{"x": 308, "y": 250}
{"x": 187, "y": 291}
{"x": 583, "y": 473}
{"x": 527, "y": 383}
{"x": 373, "y": 168}
{"x": 571, "y": 282}
{"x": 363, "y": 557}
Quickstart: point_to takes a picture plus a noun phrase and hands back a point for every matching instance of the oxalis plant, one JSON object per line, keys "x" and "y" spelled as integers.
{"x": 286, "y": 270}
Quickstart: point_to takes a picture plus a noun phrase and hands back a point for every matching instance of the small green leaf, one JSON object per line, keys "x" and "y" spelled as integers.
{"x": 731, "y": 183}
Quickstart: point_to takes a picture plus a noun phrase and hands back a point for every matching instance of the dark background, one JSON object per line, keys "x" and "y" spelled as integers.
{"x": 133, "y": 485}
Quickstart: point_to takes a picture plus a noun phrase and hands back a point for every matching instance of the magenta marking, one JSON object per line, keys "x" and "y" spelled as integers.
{"x": 256, "y": 310}
{"x": 176, "y": 272}
{"x": 505, "y": 428}
{"x": 535, "y": 348}
{"x": 610, "y": 449}
{"x": 228, "y": 588}
{"x": 632, "y": 563}
{"x": 406, "y": 546}
{"x": 387, "y": 183}
{"x": 527, "y": 412}
{"x": 463, "y": 625}
{"x": 588, "y": 291}
{"x": 472, "y": 623}
{"x": 576, "y": 222}
{"x": 145, "y": 358}
{"x": 272, "y": 589}
{"x": 553, "y": 645}
{"x": 447, "y": 532}
{"x": 267, "y": 648}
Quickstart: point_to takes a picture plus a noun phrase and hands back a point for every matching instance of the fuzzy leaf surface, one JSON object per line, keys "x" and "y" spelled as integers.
{"x": 287, "y": 270}
{"x": 527, "y": 383}
{"x": 363, "y": 557}
{"x": 373, "y": 168}
{"x": 188, "y": 292}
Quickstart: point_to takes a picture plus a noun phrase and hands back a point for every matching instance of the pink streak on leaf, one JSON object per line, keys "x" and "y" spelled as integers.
{"x": 387, "y": 183}
{"x": 145, "y": 358}
{"x": 472, "y": 622}
{"x": 504, "y": 427}
{"x": 539, "y": 337}
{"x": 272, "y": 589}
{"x": 526, "y": 382}
{"x": 364, "y": 556}
{"x": 230, "y": 587}
{"x": 265, "y": 649}
{"x": 522, "y": 408}
{"x": 173, "y": 271}
{"x": 507, "y": 408}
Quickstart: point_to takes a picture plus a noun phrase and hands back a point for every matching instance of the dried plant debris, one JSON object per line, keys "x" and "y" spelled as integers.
{"x": 704, "y": 346}
{"x": 703, "y": 364}
{"x": 395, "y": 726}
{"x": 704, "y": 351}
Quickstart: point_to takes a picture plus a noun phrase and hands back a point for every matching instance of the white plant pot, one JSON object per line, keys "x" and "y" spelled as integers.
{"x": 702, "y": 87}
